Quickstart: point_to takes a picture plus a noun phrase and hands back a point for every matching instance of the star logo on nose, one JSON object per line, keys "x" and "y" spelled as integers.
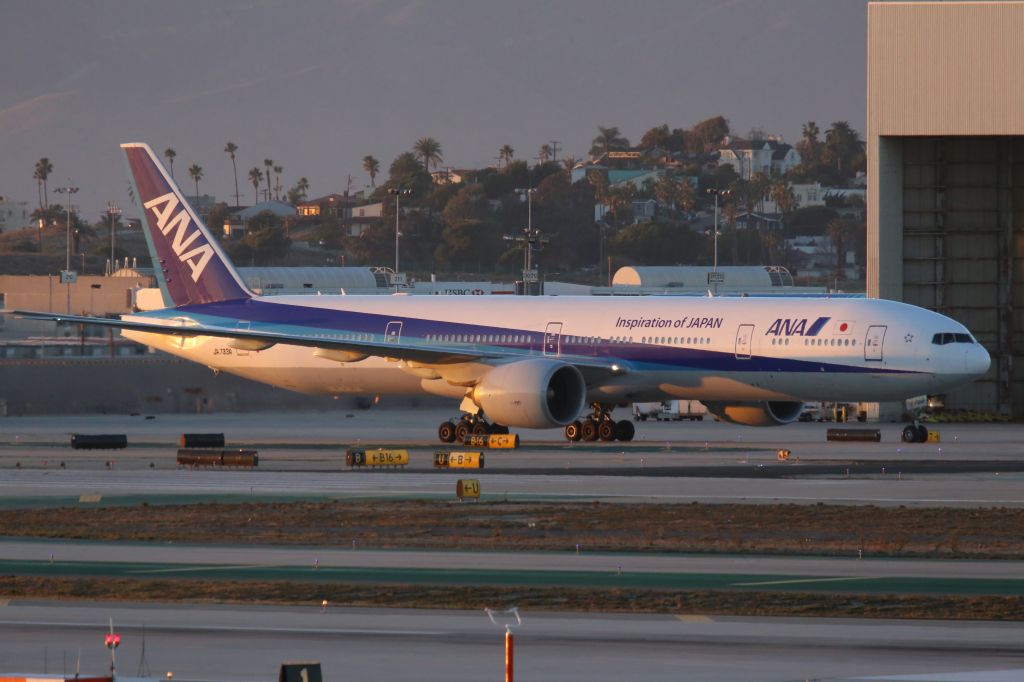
{"x": 908, "y": 338}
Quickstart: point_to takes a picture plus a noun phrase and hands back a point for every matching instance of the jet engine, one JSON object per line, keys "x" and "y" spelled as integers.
{"x": 768, "y": 413}
{"x": 533, "y": 394}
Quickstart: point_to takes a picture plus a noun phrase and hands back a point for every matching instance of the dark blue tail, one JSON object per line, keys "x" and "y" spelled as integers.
{"x": 189, "y": 264}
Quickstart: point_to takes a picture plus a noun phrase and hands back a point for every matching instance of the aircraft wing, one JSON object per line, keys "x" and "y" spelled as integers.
{"x": 418, "y": 352}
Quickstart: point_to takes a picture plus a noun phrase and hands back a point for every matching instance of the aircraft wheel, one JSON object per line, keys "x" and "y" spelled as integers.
{"x": 461, "y": 431}
{"x": 910, "y": 433}
{"x": 588, "y": 431}
{"x": 446, "y": 432}
{"x": 499, "y": 429}
{"x": 573, "y": 431}
{"x": 624, "y": 430}
{"x": 606, "y": 430}
{"x": 922, "y": 433}
{"x": 481, "y": 428}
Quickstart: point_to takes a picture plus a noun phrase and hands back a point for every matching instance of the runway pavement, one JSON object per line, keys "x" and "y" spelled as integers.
{"x": 27, "y": 487}
{"x": 248, "y": 643}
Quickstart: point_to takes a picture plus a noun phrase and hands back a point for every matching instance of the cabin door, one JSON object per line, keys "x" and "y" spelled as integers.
{"x": 393, "y": 332}
{"x": 553, "y": 338}
{"x": 873, "y": 343}
{"x": 744, "y": 337}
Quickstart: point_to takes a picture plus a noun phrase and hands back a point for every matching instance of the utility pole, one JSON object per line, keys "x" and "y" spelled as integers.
{"x": 554, "y": 150}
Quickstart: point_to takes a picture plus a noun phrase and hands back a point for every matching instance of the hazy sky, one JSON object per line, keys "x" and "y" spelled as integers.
{"x": 316, "y": 85}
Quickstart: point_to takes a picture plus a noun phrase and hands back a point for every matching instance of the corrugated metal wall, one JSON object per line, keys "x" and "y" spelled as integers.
{"x": 946, "y": 68}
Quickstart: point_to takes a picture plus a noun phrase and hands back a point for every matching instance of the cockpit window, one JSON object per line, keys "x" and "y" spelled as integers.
{"x": 950, "y": 337}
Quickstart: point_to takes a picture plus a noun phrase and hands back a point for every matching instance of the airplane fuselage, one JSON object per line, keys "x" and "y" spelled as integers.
{"x": 722, "y": 349}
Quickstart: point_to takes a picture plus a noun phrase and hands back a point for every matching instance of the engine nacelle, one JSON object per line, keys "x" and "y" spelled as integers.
{"x": 533, "y": 394}
{"x": 762, "y": 413}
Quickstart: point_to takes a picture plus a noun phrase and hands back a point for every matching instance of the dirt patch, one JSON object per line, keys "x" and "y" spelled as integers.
{"x": 762, "y": 529}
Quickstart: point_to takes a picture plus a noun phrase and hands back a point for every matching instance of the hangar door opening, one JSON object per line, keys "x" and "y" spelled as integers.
{"x": 963, "y": 250}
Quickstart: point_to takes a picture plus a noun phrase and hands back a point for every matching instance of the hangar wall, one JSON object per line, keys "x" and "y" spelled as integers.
{"x": 945, "y": 148}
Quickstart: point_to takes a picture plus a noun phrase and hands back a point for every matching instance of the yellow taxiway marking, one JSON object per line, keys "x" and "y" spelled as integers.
{"x": 804, "y": 580}
{"x": 687, "y": 618}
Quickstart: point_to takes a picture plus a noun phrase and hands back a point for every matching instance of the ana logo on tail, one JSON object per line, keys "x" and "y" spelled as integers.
{"x": 198, "y": 257}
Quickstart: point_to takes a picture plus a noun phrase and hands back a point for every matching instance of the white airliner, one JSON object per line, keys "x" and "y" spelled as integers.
{"x": 535, "y": 362}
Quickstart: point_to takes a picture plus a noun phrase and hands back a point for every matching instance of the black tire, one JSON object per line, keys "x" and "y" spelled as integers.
{"x": 922, "y": 433}
{"x": 461, "y": 431}
{"x": 499, "y": 429}
{"x": 481, "y": 428}
{"x": 624, "y": 430}
{"x": 588, "y": 430}
{"x": 909, "y": 433}
{"x": 446, "y": 432}
{"x": 606, "y": 430}
{"x": 573, "y": 431}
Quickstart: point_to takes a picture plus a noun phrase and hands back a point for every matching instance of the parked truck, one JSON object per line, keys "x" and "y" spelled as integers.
{"x": 669, "y": 410}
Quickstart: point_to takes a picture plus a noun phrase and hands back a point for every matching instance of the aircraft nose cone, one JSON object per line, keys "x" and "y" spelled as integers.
{"x": 977, "y": 360}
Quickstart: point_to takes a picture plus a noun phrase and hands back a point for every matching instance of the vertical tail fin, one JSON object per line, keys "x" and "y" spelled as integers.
{"x": 187, "y": 260}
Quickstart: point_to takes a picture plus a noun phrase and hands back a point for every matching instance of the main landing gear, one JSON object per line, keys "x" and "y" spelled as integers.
{"x": 600, "y": 426}
{"x": 469, "y": 424}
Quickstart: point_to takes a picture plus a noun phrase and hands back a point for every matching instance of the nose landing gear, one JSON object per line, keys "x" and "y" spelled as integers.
{"x": 600, "y": 426}
{"x": 915, "y": 433}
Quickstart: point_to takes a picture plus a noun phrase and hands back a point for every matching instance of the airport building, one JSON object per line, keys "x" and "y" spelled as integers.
{"x": 945, "y": 148}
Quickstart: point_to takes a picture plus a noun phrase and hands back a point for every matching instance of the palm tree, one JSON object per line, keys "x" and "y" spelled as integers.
{"x": 729, "y": 214}
{"x": 230, "y": 148}
{"x": 269, "y": 163}
{"x": 256, "y": 177}
{"x": 545, "y": 153}
{"x": 372, "y": 167}
{"x": 429, "y": 150}
{"x": 842, "y": 143}
{"x": 622, "y": 197}
{"x": 277, "y": 181}
{"x": 839, "y": 231}
{"x": 196, "y": 171}
{"x": 505, "y": 154}
{"x": 570, "y": 162}
{"x": 169, "y": 154}
{"x": 607, "y": 139}
{"x": 675, "y": 194}
{"x": 303, "y": 186}
{"x": 782, "y": 194}
{"x": 42, "y": 172}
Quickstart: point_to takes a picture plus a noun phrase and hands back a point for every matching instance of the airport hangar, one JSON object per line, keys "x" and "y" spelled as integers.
{"x": 945, "y": 150}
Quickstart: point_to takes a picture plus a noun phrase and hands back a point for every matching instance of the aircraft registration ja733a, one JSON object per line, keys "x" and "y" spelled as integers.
{"x": 534, "y": 362}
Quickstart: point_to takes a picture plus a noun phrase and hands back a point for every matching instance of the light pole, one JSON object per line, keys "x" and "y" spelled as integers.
{"x": 113, "y": 211}
{"x": 528, "y": 193}
{"x": 398, "y": 192}
{"x": 717, "y": 193}
{"x": 69, "y": 190}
